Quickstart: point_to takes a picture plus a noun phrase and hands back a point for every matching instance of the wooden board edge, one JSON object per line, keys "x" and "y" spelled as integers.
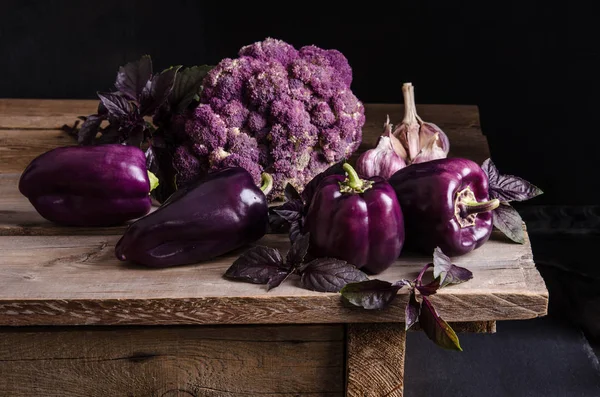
{"x": 326, "y": 309}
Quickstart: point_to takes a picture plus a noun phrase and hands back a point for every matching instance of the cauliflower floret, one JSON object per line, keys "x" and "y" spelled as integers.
{"x": 207, "y": 128}
{"x": 273, "y": 109}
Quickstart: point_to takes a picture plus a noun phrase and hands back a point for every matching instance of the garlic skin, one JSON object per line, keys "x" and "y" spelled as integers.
{"x": 382, "y": 160}
{"x": 423, "y": 141}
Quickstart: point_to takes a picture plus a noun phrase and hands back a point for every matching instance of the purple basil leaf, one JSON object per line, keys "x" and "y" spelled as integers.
{"x": 512, "y": 188}
{"x": 298, "y": 250}
{"x": 489, "y": 168}
{"x": 436, "y": 328}
{"x": 295, "y": 230}
{"x": 282, "y": 216}
{"x": 441, "y": 262}
{"x": 507, "y": 188}
{"x": 132, "y": 78}
{"x": 257, "y": 265}
{"x": 370, "y": 294}
{"x": 509, "y": 222}
{"x": 289, "y": 213}
{"x": 446, "y": 272}
{"x": 119, "y": 108}
{"x": 455, "y": 275}
{"x": 156, "y": 92}
{"x": 422, "y": 273}
{"x": 102, "y": 111}
{"x": 311, "y": 187}
{"x": 188, "y": 84}
{"x": 110, "y": 134}
{"x": 276, "y": 223}
{"x": 329, "y": 275}
{"x": 401, "y": 283}
{"x": 291, "y": 194}
{"x": 429, "y": 289}
{"x": 89, "y": 129}
{"x": 135, "y": 136}
{"x": 278, "y": 278}
{"x": 412, "y": 311}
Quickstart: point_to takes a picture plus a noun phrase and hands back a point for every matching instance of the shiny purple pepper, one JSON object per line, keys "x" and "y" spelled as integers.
{"x": 356, "y": 220}
{"x": 445, "y": 204}
{"x": 217, "y": 214}
{"x": 101, "y": 185}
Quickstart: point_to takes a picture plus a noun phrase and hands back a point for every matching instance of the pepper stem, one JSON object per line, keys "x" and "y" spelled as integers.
{"x": 267, "y": 183}
{"x": 466, "y": 207}
{"x": 353, "y": 183}
{"x": 474, "y": 207}
{"x": 354, "y": 180}
{"x": 153, "y": 181}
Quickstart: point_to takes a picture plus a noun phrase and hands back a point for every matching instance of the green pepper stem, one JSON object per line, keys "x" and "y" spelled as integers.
{"x": 267, "y": 183}
{"x": 153, "y": 181}
{"x": 474, "y": 207}
{"x": 354, "y": 180}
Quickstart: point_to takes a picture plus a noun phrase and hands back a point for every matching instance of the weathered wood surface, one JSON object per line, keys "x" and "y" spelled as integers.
{"x": 375, "y": 364}
{"x": 29, "y": 128}
{"x": 19, "y": 146}
{"x": 61, "y": 280}
{"x": 274, "y": 361}
{"x": 43, "y": 113}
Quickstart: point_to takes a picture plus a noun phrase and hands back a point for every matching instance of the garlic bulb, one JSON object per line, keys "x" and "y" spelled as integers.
{"x": 383, "y": 160}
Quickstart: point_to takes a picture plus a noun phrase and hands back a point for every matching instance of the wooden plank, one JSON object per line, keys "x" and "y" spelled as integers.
{"x": 25, "y": 136}
{"x": 274, "y": 361}
{"x": 375, "y": 360}
{"x": 19, "y": 147}
{"x": 77, "y": 281}
{"x": 461, "y": 122}
{"x": 458, "y": 121}
{"x": 43, "y": 113}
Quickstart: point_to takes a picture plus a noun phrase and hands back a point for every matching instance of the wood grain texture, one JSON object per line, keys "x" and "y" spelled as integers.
{"x": 77, "y": 281}
{"x": 19, "y": 147}
{"x": 375, "y": 364}
{"x": 29, "y": 128}
{"x": 43, "y": 113}
{"x": 173, "y": 361}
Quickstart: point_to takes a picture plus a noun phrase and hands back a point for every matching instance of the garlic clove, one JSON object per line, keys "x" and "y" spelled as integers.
{"x": 396, "y": 144}
{"x": 432, "y": 150}
{"x": 381, "y": 161}
{"x": 428, "y": 131}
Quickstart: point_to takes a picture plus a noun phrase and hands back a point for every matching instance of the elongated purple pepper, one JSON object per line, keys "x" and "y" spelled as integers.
{"x": 356, "y": 220}
{"x": 100, "y": 185}
{"x": 445, "y": 204}
{"x": 219, "y": 213}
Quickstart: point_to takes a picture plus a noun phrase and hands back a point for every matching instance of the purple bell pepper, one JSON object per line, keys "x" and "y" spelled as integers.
{"x": 356, "y": 220}
{"x": 445, "y": 204}
{"x": 102, "y": 185}
{"x": 217, "y": 214}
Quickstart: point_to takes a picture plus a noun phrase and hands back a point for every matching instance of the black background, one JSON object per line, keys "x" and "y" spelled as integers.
{"x": 531, "y": 68}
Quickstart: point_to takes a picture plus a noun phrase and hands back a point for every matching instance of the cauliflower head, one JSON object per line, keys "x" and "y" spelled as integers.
{"x": 275, "y": 109}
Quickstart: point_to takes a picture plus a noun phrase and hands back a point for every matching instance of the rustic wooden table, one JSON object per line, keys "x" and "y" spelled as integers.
{"x": 76, "y": 322}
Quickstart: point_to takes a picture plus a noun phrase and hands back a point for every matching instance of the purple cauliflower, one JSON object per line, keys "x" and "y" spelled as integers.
{"x": 272, "y": 109}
